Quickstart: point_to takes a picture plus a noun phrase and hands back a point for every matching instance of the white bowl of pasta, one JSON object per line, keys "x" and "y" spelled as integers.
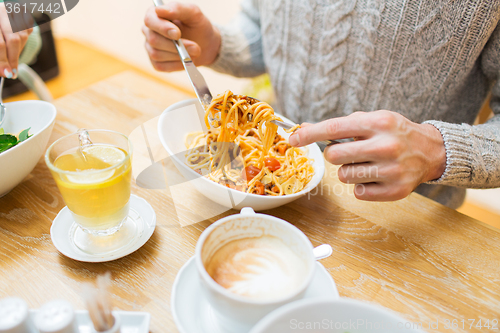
{"x": 250, "y": 178}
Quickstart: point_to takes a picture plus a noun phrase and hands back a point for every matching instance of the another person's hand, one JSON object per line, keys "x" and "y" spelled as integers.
{"x": 11, "y": 43}
{"x": 389, "y": 158}
{"x": 173, "y": 21}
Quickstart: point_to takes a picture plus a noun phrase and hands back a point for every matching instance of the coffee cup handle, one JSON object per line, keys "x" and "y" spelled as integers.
{"x": 247, "y": 211}
{"x": 323, "y": 251}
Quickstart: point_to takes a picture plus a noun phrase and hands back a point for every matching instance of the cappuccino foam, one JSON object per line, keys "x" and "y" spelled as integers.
{"x": 262, "y": 268}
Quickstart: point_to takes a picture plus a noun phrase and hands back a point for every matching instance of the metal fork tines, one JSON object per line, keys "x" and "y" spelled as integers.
{"x": 322, "y": 144}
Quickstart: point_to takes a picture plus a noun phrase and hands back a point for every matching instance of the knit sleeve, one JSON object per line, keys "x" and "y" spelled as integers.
{"x": 241, "y": 49}
{"x": 473, "y": 152}
{"x": 32, "y": 47}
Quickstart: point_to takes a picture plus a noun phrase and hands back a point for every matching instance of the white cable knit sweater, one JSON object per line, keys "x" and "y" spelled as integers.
{"x": 432, "y": 61}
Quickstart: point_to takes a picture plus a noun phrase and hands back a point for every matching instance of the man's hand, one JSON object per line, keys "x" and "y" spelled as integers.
{"x": 173, "y": 21}
{"x": 389, "y": 158}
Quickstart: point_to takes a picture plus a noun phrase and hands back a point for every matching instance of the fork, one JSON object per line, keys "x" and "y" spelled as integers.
{"x": 322, "y": 144}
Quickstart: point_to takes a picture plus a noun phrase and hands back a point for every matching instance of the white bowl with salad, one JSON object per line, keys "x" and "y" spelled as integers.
{"x": 23, "y": 140}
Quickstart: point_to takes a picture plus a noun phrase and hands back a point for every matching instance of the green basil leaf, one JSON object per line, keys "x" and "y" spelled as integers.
{"x": 1, "y": 131}
{"x": 24, "y": 135}
{"x": 7, "y": 141}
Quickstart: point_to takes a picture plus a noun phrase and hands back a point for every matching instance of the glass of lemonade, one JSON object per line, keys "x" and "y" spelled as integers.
{"x": 92, "y": 170}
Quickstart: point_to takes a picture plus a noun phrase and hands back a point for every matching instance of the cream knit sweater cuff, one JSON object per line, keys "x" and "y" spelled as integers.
{"x": 460, "y": 153}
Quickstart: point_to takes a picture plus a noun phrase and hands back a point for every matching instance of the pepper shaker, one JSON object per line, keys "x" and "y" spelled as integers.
{"x": 56, "y": 316}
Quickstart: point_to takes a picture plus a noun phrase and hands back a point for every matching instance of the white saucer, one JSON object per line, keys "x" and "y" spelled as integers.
{"x": 63, "y": 228}
{"x": 193, "y": 314}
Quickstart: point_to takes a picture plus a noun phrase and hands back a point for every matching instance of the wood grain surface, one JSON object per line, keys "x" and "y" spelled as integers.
{"x": 424, "y": 261}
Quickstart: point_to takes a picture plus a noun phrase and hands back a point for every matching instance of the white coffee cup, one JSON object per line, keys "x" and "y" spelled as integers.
{"x": 236, "y": 312}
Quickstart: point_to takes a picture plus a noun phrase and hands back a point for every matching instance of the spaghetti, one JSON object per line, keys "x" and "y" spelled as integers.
{"x": 243, "y": 151}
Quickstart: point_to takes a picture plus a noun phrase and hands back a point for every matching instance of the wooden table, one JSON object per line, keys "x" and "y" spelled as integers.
{"x": 427, "y": 262}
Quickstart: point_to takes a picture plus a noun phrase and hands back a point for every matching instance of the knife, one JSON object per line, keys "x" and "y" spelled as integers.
{"x": 197, "y": 81}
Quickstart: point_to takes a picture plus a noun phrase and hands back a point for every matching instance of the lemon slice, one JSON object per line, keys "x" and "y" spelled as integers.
{"x": 90, "y": 176}
{"x": 97, "y": 158}
{"x": 107, "y": 154}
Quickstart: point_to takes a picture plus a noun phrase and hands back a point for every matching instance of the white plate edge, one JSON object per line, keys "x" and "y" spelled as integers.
{"x": 184, "y": 267}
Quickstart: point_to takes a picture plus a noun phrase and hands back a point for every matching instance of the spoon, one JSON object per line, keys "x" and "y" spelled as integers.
{"x": 323, "y": 251}
{"x": 3, "y": 110}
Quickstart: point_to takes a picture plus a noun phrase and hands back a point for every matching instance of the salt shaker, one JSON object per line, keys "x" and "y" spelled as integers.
{"x": 56, "y": 317}
{"x": 14, "y": 316}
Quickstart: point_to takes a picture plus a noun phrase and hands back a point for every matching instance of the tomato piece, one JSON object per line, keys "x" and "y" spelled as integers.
{"x": 250, "y": 172}
{"x": 282, "y": 149}
{"x": 259, "y": 188}
{"x": 272, "y": 164}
